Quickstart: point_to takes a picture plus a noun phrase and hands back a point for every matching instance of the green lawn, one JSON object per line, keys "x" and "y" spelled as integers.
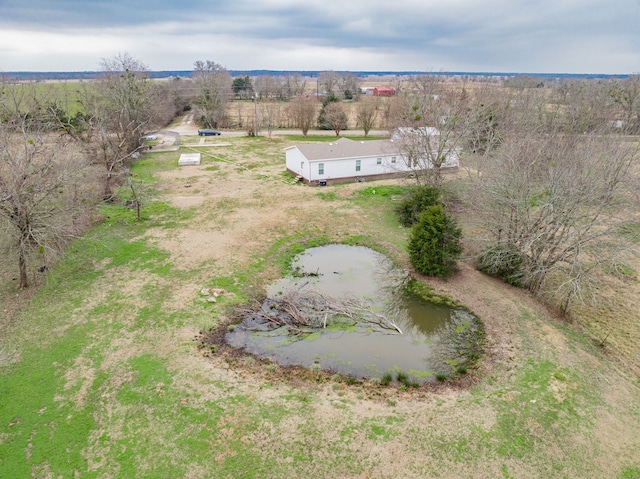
{"x": 101, "y": 374}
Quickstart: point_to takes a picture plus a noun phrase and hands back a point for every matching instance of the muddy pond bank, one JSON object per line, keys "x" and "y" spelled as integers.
{"x": 348, "y": 309}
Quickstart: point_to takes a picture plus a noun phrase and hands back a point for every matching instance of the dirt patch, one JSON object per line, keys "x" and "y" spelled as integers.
{"x": 232, "y": 208}
{"x": 188, "y": 201}
{"x": 239, "y": 209}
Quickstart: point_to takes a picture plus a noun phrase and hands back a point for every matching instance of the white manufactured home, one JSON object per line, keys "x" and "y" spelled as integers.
{"x": 348, "y": 160}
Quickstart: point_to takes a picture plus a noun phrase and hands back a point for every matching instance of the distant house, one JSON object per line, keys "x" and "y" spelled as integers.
{"x": 384, "y": 91}
{"x": 423, "y": 131}
{"x": 348, "y": 160}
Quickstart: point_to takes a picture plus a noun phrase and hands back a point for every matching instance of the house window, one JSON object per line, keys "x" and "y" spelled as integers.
{"x": 379, "y": 161}
{"x": 321, "y": 168}
{"x": 393, "y": 159}
{"x": 358, "y": 163}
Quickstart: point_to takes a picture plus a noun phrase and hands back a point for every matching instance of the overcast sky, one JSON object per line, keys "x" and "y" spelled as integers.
{"x": 533, "y": 36}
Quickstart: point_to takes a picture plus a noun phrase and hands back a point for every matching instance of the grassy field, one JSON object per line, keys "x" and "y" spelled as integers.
{"x": 65, "y": 95}
{"x": 101, "y": 374}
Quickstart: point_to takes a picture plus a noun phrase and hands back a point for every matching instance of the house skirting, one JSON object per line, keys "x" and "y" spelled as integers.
{"x": 353, "y": 179}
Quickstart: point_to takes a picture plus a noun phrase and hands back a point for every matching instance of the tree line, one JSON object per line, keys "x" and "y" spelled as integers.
{"x": 56, "y": 166}
{"x": 549, "y": 189}
{"x": 549, "y": 192}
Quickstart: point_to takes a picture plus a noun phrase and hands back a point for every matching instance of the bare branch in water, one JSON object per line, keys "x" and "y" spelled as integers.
{"x": 310, "y": 308}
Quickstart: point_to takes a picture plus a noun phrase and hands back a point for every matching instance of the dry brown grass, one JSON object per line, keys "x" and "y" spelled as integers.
{"x": 300, "y": 426}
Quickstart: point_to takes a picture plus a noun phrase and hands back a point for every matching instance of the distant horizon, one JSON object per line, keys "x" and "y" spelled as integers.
{"x": 260, "y": 71}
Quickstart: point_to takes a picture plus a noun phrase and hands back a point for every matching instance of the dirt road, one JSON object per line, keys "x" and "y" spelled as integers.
{"x": 188, "y": 127}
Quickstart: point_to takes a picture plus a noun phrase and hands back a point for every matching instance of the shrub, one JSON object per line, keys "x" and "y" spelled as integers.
{"x": 351, "y": 380}
{"x": 406, "y": 380}
{"x": 418, "y": 200}
{"x": 315, "y": 368}
{"x": 386, "y": 378}
{"x": 505, "y": 262}
{"x": 434, "y": 246}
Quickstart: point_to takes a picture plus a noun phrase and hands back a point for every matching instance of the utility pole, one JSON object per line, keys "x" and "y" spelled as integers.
{"x": 255, "y": 106}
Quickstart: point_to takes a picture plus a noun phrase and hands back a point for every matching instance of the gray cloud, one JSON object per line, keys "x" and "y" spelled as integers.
{"x": 496, "y": 35}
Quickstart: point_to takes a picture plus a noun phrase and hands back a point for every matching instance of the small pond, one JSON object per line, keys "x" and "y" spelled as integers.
{"x": 348, "y": 309}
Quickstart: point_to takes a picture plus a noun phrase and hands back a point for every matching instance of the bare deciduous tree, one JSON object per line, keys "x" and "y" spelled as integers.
{"x": 124, "y": 92}
{"x": 335, "y": 117}
{"x": 136, "y": 188}
{"x": 394, "y": 111}
{"x": 557, "y": 202}
{"x": 295, "y": 85}
{"x": 626, "y": 93}
{"x": 303, "y": 112}
{"x": 367, "y": 113}
{"x": 436, "y": 119}
{"x": 329, "y": 82}
{"x": 119, "y": 110}
{"x": 166, "y": 101}
{"x": 213, "y": 92}
{"x": 268, "y": 86}
{"x": 43, "y": 191}
{"x": 427, "y": 151}
{"x": 585, "y": 105}
{"x": 485, "y": 118}
{"x": 350, "y": 86}
{"x": 270, "y": 116}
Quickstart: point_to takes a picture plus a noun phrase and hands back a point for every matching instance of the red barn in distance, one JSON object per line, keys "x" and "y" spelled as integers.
{"x": 384, "y": 91}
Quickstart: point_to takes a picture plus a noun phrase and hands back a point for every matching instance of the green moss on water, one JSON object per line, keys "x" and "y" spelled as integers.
{"x": 420, "y": 374}
{"x": 427, "y": 293}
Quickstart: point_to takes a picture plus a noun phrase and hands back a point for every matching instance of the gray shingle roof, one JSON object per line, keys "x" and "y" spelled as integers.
{"x": 346, "y": 148}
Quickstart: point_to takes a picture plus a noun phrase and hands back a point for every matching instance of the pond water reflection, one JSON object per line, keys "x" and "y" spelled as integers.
{"x": 395, "y": 330}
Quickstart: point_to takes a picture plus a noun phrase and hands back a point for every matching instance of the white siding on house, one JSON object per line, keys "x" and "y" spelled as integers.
{"x": 296, "y": 162}
{"x": 346, "y": 168}
{"x": 339, "y": 159}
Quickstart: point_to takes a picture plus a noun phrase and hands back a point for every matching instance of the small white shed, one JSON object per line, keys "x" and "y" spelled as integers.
{"x": 187, "y": 159}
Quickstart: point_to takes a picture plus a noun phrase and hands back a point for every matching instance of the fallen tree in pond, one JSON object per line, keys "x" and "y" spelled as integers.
{"x": 304, "y": 309}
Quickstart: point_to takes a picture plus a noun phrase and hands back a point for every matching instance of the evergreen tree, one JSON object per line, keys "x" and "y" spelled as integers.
{"x": 330, "y": 121}
{"x": 418, "y": 199}
{"x": 434, "y": 246}
{"x": 242, "y": 87}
